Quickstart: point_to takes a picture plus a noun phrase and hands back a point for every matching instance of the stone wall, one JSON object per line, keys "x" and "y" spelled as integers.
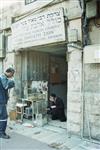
{"x": 1, "y": 69}
{"x": 74, "y": 108}
{"x": 74, "y": 103}
{"x": 9, "y": 61}
{"x": 92, "y": 100}
{"x": 92, "y": 88}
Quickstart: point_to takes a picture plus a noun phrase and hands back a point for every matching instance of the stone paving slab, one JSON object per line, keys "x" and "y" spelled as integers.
{"x": 55, "y": 138}
{"x": 20, "y": 142}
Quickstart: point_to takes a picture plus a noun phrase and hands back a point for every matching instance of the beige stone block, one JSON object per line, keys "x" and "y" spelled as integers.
{"x": 74, "y": 107}
{"x": 95, "y": 120}
{"x": 95, "y": 132}
{"x": 95, "y": 109}
{"x": 96, "y": 98}
{"x": 72, "y": 127}
{"x": 74, "y": 97}
{"x": 74, "y": 117}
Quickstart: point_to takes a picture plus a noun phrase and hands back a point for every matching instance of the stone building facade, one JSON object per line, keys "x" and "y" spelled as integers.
{"x": 82, "y": 51}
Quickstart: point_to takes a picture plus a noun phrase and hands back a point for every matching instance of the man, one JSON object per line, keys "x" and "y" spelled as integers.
{"x": 6, "y": 83}
{"x": 56, "y": 108}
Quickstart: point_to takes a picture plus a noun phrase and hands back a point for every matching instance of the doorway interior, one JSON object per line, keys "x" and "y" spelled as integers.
{"x": 47, "y": 64}
{"x": 58, "y": 82}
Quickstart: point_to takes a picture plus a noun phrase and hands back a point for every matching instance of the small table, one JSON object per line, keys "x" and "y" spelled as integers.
{"x": 20, "y": 110}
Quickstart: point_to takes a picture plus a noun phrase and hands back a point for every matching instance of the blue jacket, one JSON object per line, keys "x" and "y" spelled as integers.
{"x": 5, "y": 84}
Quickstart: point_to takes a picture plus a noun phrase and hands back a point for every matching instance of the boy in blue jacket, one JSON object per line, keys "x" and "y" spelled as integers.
{"x": 6, "y": 83}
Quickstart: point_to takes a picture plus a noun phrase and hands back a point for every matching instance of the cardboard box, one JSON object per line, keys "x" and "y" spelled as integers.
{"x": 12, "y": 115}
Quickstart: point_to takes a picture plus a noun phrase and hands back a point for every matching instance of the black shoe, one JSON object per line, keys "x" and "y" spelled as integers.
{"x": 4, "y": 136}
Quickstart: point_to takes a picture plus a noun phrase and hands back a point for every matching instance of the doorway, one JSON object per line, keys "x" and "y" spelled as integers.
{"x": 58, "y": 83}
{"x": 47, "y": 64}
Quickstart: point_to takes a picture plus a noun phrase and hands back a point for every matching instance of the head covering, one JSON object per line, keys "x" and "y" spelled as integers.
{"x": 53, "y": 95}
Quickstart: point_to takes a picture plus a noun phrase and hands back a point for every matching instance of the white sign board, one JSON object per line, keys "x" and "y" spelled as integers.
{"x": 39, "y": 29}
{"x": 92, "y": 54}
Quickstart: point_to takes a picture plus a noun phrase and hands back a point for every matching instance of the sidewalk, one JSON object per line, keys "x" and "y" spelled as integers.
{"x": 20, "y": 142}
{"x": 54, "y": 137}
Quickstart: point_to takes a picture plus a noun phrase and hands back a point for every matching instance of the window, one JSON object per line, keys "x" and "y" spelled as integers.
{"x": 29, "y": 1}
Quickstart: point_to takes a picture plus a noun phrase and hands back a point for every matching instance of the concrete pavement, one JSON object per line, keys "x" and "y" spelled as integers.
{"x": 48, "y": 137}
{"x": 21, "y": 142}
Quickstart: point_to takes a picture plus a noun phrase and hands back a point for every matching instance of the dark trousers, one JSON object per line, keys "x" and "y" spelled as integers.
{"x": 3, "y": 119}
{"x": 57, "y": 114}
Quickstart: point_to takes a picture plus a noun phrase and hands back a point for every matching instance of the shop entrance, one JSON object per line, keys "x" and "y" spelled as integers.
{"x": 47, "y": 64}
{"x": 58, "y": 83}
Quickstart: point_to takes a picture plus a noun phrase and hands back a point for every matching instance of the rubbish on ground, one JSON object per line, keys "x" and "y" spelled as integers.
{"x": 37, "y": 132}
{"x": 55, "y": 145}
{"x": 28, "y": 125}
